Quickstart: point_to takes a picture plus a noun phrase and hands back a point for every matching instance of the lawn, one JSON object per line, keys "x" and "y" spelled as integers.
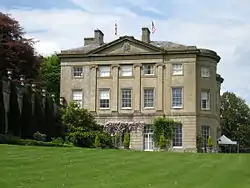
{"x": 45, "y": 167}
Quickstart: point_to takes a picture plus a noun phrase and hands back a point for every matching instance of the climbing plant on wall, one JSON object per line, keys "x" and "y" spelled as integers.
{"x": 163, "y": 127}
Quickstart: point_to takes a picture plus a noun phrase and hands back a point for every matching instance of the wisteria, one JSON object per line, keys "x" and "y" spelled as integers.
{"x": 116, "y": 127}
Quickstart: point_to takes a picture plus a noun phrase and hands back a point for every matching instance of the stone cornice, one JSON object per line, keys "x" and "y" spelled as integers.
{"x": 219, "y": 78}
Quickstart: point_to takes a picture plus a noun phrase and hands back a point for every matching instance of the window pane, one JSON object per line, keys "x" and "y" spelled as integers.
{"x": 104, "y": 71}
{"x": 77, "y": 95}
{"x": 148, "y": 97}
{"x": 126, "y": 98}
{"x": 104, "y": 94}
{"x": 205, "y": 134}
{"x": 177, "y": 69}
{"x": 77, "y": 71}
{"x": 177, "y": 141}
{"x": 148, "y": 69}
{"x": 176, "y": 97}
{"x": 126, "y": 70}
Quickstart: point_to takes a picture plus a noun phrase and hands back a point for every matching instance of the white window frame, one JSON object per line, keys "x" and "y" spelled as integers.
{"x": 205, "y": 72}
{"x": 177, "y": 69}
{"x": 77, "y": 71}
{"x": 104, "y": 98}
{"x": 126, "y": 70}
{"x": 104, "y": 71}
{"x": 148, "y": 69}
{"x": 205, "y": 99}
{"x": 178, "y": 136}
{"x": 77, "y": 97}
{"x": 148, "y": 101}
{"x": 126, "y": 100}
{"x": 177, "y": 96}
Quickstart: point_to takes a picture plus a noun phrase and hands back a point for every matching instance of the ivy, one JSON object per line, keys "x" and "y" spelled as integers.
{"x": 163, "y": 127}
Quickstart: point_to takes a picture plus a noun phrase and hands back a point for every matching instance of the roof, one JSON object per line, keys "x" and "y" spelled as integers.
{"x": 90, "y": 47}
{"x": 223, "y": 140}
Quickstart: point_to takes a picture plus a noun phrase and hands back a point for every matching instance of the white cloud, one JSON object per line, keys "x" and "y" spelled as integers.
{"x": 224, "y": 29}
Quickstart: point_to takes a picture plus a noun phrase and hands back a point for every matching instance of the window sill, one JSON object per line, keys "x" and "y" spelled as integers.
{"x": 77, "y": 77}
{"x": 205, "y": 77}
{"x": 177, "y": 147}
{"x": 205, "y": 109}
{"x": 104, "y": 108}
{"x": 126, "y": 108}
{"x": 178, "y": 74}
{"x": 177, "y": 107}
{"x": 149, "y": 108}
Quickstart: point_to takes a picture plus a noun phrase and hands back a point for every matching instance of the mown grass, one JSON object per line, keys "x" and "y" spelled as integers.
{"x": 45, "y": 167}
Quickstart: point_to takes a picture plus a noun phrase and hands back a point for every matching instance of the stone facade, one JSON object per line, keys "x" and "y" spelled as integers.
{"x": 162, "y": 77}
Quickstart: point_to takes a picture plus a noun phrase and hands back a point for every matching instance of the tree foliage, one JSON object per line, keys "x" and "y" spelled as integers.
{"x": 73, "y": 117}
{"x": 16, "y": 51}
{"x": 50, "y": 75}
{"x": 235, "y": 122}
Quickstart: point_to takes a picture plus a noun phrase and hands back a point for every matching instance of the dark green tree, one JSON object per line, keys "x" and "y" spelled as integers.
{"x": 50, "y": 75}
{"x": 14, "y": 112}
{"x": 235, "y": 119}
{"x": 2, "y": 113}
{"x": 26, "y": 119}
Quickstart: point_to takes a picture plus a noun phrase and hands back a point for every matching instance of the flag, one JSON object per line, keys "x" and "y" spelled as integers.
{"x": 153, "y": 27}
{"x": 115, "y": 28}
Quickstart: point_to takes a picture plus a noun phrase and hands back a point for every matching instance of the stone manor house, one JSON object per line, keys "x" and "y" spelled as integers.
{"x": 138, "y": 80}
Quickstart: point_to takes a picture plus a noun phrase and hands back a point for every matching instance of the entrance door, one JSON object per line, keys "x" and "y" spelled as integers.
{"x": 148, "y": 139}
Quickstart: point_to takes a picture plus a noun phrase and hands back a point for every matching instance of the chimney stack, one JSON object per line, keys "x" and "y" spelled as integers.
{"x": 99, "y": 37}
{"x": 145, "y": 35}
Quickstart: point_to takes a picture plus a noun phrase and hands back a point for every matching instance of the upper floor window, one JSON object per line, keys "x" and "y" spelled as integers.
{"x": 177, "y": 139}
{"x": 126, "y": 98}
{"x": 148, "y": 69}
{"x": 104, "y": 98}
{"x": 177, "y": 97}
{"x": 177, "y": 69}
{"x": 205, "y": 73}
{"x": 148, "y": 98}
{"x": 77, "y": 97}
{"x": 104, "y": 71}
{"x": 205, "y": 100}
{"x": 77, "y": 72}
{"x": 126, "y": 70}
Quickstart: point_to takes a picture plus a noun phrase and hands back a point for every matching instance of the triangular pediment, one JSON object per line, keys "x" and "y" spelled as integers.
{"x": 126, "y": 45}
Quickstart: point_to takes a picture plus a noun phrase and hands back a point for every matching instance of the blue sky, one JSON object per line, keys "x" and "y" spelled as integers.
{"x": 223, "y": 26}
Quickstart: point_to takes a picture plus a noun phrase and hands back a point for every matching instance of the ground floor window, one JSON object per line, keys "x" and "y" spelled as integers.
{"x": 177, "y": 139}
{"x": 148, "y": 142}
{"x": 205, "y": 133}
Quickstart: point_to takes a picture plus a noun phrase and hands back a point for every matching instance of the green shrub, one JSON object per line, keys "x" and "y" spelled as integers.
{"x": 13, "y": 140}
{"x": 162, "y": 142}
{"x": 58, "y": 140}
{"x": 87, "y": 139}
{"x": 126, "y": 141}
{"x": 209, "y": 142}
{"x": 39, "y": 136}
{"x": 97, "y": 143}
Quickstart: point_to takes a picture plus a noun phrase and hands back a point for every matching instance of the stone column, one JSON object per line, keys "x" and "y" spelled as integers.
{"x": 137, "y": 89}
{"x": 159, "y": 88}
{"x": 93, "y": 85}
{"x": 115, "y": 89}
